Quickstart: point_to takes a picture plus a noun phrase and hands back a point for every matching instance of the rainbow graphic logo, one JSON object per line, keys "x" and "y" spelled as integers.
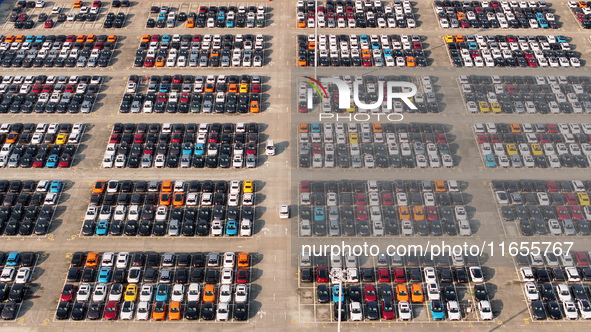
{"x": 316, "y": 85}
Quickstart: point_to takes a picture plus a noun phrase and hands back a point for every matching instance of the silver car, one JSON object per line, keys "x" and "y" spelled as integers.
{"x": 146, "y": 161}
{"x": 251, "y": 161}
{"x": 334, "y": 229}
{"x": 173, "y": 228}
{"x": 185, "y": 161}
{"x": 305, "y": 228}
{"x": 569, "y": 227}
{"x": 356, "y": 160}
{"x": 13, "y": 160}
{"x": 407, "y": 228}
{"x": 333, "y": 213}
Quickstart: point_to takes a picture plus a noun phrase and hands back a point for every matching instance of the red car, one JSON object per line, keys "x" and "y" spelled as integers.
{"x": 138, "y": 138}
{"x": 532, "y": 62}
{"x": 581, "y": 258}
{"x": 242, "y": 276}
{"x": 177, "y": 138}
{"x": 36, "y": 88}
{"x": 256, "y": 88}
{"x": 177, "y": 78}
{"x": 432, "y": 213}
{"x": 111, "y": 310}
{"x": 388, "y": 311}
{"x": 544, "y": 138}
{"x": 370, "y": 293}
{"x": 38, "y": 163}
{"x": 576, "y": 212}
{"x": 161, "y": 97}
{"x": 70, "y": 38}
{"x": 302, "y": 108}
{"x": 115, "y": 138}
{"x": 149, "y": 62}
{"x": 495, "y": 138}
{"x": 316, "y": 148}
{"x": 321, "y": 274}
{"x": 399, "y": 275}
{"x": 552, "y": 129}
{"x": 384, "y": 274}
{"x": 65, "y": 161}
{"x": 361, "y": 213}
{"x": 441, "y": 138}
{"x": 67, "y": 293}
{"x": 387, "y": 198}
{"x": 48, "y": 24}
{"x": 305, "y": 186}
{"x": 552, "y": 186}
{"x": 360, "y": 199}
{"x": 184, "y": 97}
{"x": 155, "y": 38}
{"x": 213, "y": 138}
{"x": 48, "y": 88}
{"x": 562, "y": 212}
{"x": 571, "y": 199}
{"x": 482, "y": 138}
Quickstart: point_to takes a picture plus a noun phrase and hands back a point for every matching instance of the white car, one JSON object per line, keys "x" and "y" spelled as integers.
{"x": 433, "y": 291}
{"x": 570, "y": 310}
{"x": 563, "y": 293}
{"x": 248, "y": 199}
{"x": 107, "y": 162}
{"x": 120, "y": 212}
{"x": 223, "y": 311}
{"x": 584, "y": 308}
{"x": 229, "y": 260}
{"x": 476, "y": 274}
{"x": 161, "y": 213}
{"x": 108, "y": 259}
{"x": 178, "y": 293}
{"x": 245, "y": 227}
{"x": 7, "y": 273}
{"x": 91, "y": 213}
{"x": 572, "y": 274}
{"x": 241, "y": 293}
{"x": 355, "y": 311}
{"x": 143, "y": 311}
{"x": 430, "y": 275}
{"x": 527, "y": 274}
{"x": 531, "y": 292}
{"x": 404, "y": 310}
{"x": 461, "y": 212}
{"x": 100, "y": 293}
{"x": 216, "y": 228}
{"x": 83, "y": 293}
{"x": 146, "y": 293}
{"x": 227, "y": 276}
{"x": 133, "y": 213}
{"x": 485, "y": 310}
{"x": 453, "y": 310}
{"x": 127, "y": 310}
{"x": 193, "y": 292}
{"x": 225, "y": 293}
{"x": 122, "y": 259}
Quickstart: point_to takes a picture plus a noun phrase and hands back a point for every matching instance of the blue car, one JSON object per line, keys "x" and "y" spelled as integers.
{"x": 164, "y": 87}
{"x": 40, "y": 39}
{"x": 52, "y": 161}
{"x": 489, "y": 160}
{"x": 162, "y": 292}
{"x": 162, "y": 16}
{"x": 315, "y": 128}
{"x": 105, "y": 275}
{"x": 187, "y": 148}
{"x": 319, "y": 213}
{"x": 335, "y": 294}
{"x": 13, "y": 259}
{"x": 539, "y": 16}
{"x": 363, "y": 38}
{"x": 231, "y": 228}
{"x": 29, "y": 39}
{"x": 387, "y": 52}
{"x": 166, "y": 38}
{"x": 101, "y": 227}
{"x": 561, "y": 39}
{"x": 56, "y": 186}
{"x": 543, "y": 23}
{"x": 221, "y": 16}
{"x": 230, "y": 23}
{"x": 437, "y": 311}
{"x": 472, "y": 45}
{"x": 199, "y": 149}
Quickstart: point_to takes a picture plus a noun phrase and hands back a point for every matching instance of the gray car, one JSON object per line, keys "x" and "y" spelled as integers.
{"x": 185, "y": 161}
{"x": 334, "y": 229}
{"x": 569, "y": 227}
{"x": 516, "y": 161}
{"x": 305, "y": 228}
{"x": 251, "y": 161}
{"x": 173, "y": 228}
{"x": 146, "y": 161}
{"x": 356, "y": 161}
{"x": 333, "y": 213}
{"x": 13, "y": 160}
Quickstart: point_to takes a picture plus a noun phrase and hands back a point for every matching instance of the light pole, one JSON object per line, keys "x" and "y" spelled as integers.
{"x": 339, "y": 276}
{"x": 315, "y": 37}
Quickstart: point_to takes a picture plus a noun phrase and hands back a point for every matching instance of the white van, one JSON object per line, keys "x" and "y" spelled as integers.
{"x": 270, "y": 149}
{"x": 284, "y": 212}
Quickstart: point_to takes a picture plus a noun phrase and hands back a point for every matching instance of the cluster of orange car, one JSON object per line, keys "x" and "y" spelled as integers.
{"x": 416, "y": 293}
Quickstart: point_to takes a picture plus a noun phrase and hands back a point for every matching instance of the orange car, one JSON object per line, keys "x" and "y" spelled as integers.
{"x": 459, "y": 38}
{"x": 301, "y": 23}
{"x": 178, "y": 199}
{"x": 209, "y": 293}
{"x": 112, "y": 38}
{"x": 215, "y": 52}
{"x": 81, "y": 38}
{"x": 515, "y": 128}
{"x": 174, "y": 311}
{"x": 582, "y": 4}
{"x": 303, "y": 128}
{"x": 365, "y": 53}
{"x": 9, "y": 39}
{"x": 311, "y": 45}
{"x": 404, "y": 213}
{"x": 377, "y": 128}
{"x": 254, "y": 106}
{"x": 77, "y": 4}
{"x": 461, "y": 16}
{"x": 210, "y": 87}
{"x": 159, "y": 311}
{"x": 160, "y": 61}
{"x": 12, "y": 137}
{"x": 19, "y": 39}
{"x": 243, "y": 259}
{"x": 166, "y": 186}
{"x": 233, "y": 88}
{"x": 146, "y": 38}
{"x": 416, "y": 291}
{"x": 418, "y": 213}
{"x": 91, "y": 38}
{"x": 99, "y": 186}
{"x": 302, "y": 62}
{"x": 410, "y": 61}
{"x": 190, "y": 23}
{"x": 440, "y": 186}
{"x": 165, "y": 198}
{"x": 92, "y": 259}
{"x": 402, "y": 292}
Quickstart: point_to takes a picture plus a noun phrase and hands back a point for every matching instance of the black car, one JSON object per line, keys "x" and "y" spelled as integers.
{"x": 323, "y": 294}
{"x": 373, "y": 313}
{"x": 208, "y": 311}
{"x": 240, "y": 311}
{"x": 17, "y": 293}
{"x": 10, "y": 310}
{"x": 343, "y": 312}
{"x": 547, "y": 292}
{"x": 554, "y": 310}
{"x": 63, "y": 310}
{"x": 78, "y": 311}
{"x": 192, "y": 310}
{"x": 95, "y": 310}
{"x": 306, "y": 275}
{"x": 480, "y": 293}
{"x": 461, "y": 276}
{"x": 88, "y": 275}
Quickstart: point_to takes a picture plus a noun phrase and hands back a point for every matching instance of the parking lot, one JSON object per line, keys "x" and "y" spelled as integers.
{"x": 392, "y": 289}
{"x": 195, "y": 15}
{"x": 512, "y": 15}
{"x": 382, "y": 208}
{"x": 555, "y": 287}
{"x": 381, "y": 15}
{"x": 554, "y": 208}
{"x": 194, "y": 94}
{"x": 581, "y": 12}
{"x": 373, "y": 145}
{"x": 142, "y": 286}
{"x": 171, "y": 208}
{"x": 16, "y": 281}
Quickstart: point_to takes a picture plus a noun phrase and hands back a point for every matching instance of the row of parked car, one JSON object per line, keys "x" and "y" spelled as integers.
{"x": 511, "y": 51}
{"x": 545, "y": 207}
{"x": 200, "y": 51}
{"x": 169, "y": 145}
{"x": 523, "y": 145}
{"x": 16, "y": 275}
{"x": 49, "y": 94}
{"x": 28, "y": 206}
{"x": 495, "y": 14}
{"x": 156, "y": 286}
{"x": 39, "y": 145}
{"x": 527, "y": 94}
{"x": 171, "y": 208}
{"x": 361, "y": 14}
{"x": 184, "y": 94}
{"x": 581, "y": 11}
{"x": 371, "y": 145}
{"x": 209, "y": 17}
{"x": 436, "y": 211}
{"x": 554, "y": 286}
{"x": 352, "y": 50}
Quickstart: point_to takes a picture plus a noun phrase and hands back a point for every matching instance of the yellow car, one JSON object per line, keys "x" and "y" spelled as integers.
{"x": 536, "y": 150}
{"x": 584, "y": 199}
{"x": 353, "y": 138}
{"x": 131, "y": 292}
{"x": 449, "y": 38}
{"x": 351, "y": 108}
{"x": 244, "y": 88}
{"x": 248, "y": 186}
{"x": 483, "y": 106}
{"x": 61, "y": 138}
{"x": 495, "y": 107}
{"x": 511, "y": 149}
